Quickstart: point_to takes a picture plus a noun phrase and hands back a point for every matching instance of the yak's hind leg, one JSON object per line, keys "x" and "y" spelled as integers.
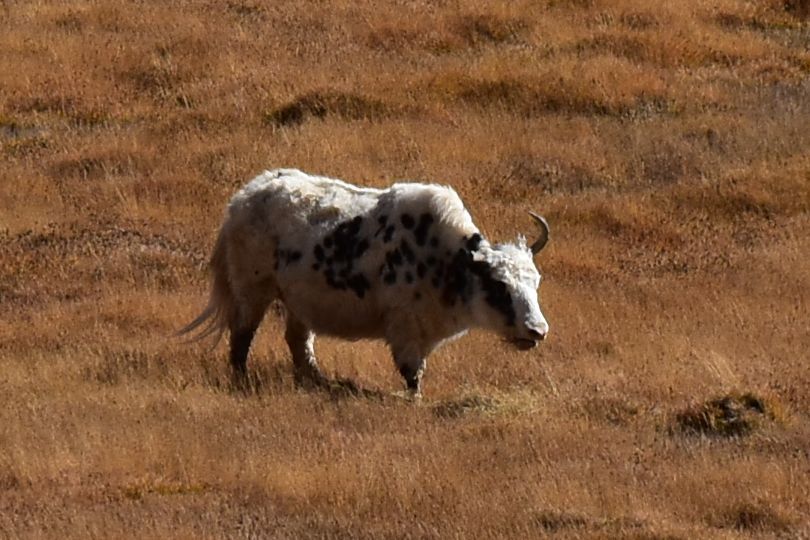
{"x": 243, "y": 325}
{"x": 301, "y": 341}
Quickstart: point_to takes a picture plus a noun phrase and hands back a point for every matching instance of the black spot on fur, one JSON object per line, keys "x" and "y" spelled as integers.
{"x": 345, "y": 237}
{"x": 390, "y": 278}
{"x": 359, "y": 284}
{"x": 355, "y": 225}
{"x": 417, "y": 295}
{"x": 410, "y": 256}
{"x": 497, "y": 293}
{"x": 361, "y": 248}
{"x": 389, "y": 233}
{"x": 407, "y": 221}
{"x": 316, "y": 266}
{"x": 474, "y": 242}
{"x": 293, "y": 256}
{"x": 408, "y": 277}
{"x": 393, "y": 258}
{"x": 340, "y": 251}
{"x": 439, "y": 273}
{"x": 431, "y": 260}
{"x": 383, "y": 221}
{"x": 421, "y": 270}
{"x": 329, "y": 274}
{"x": 421, "y": 232}
{"x": 434, "y": 242}
{"x": 457, "y": 283}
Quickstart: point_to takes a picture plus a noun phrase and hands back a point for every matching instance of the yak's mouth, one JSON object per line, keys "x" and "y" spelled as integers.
{"x": 524, "y": 344}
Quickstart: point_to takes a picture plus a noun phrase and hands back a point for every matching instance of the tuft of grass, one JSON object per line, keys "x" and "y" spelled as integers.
{"x": 141, "y": 490}
{"x": 598, "y": 86}
{"x": 321, "y": 104}
{"x": 616, "y": 411}
{"x": 756, "y": 516}
{"x": 513, "y": 402}
{"x": 478, "y": 29}
{"x": 456, "y": 408}
{"x": 732, "y": 415}
{"x": 554, "y": 521}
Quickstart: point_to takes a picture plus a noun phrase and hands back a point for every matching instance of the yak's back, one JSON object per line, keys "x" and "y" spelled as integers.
{"x": 296, "y": 199}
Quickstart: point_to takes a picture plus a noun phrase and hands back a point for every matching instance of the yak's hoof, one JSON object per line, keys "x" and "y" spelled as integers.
{"x": 241, "y": 381}
{"x": 310, "y": 379}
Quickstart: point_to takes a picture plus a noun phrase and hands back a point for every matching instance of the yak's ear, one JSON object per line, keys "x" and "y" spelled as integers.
{"x": 478, "y": 256}
{"x": 474, "y": 242}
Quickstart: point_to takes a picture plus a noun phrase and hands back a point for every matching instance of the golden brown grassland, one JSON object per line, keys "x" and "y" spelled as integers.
{"x": 668, "y": 143}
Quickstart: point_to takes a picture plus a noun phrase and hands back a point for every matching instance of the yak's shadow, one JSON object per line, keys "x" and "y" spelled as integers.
{"x": 340, "y": 388}
{"x": 258, "y": 381}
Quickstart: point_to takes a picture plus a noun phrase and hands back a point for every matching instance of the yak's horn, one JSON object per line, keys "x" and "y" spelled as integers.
{"x": 540, "y": 243}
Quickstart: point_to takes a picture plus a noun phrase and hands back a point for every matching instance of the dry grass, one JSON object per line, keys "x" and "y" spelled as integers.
{"x": 667, "y": 145}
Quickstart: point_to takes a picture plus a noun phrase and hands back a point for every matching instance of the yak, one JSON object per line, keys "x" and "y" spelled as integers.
{"x": 404, "y": 264}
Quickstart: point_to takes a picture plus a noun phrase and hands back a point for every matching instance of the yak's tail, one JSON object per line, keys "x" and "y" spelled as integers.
{"x": 217, "y": 315}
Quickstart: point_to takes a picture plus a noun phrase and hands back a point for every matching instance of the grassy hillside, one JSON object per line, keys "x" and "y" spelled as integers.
{"x": 667, "y": 143}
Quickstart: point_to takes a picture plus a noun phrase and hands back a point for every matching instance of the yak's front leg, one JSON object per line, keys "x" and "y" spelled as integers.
{"x": 411, "y": 363}
{"x": 410, "y": 351}
{"x": 301, "y": 341}
{"x": 412, "y": 369}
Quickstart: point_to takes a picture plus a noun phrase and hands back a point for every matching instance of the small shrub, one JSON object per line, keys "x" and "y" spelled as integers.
{"x": 460, "y": 407}
{"x": 733, "y": 415}
{"x": 478, "y": 29}
{"x": 552, "y": 521}
{"x": 329, "y": 103}
{"x": 755, "y": 516}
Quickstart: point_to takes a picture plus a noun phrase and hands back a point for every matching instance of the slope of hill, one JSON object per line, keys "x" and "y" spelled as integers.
{"x": 668, "y": 145}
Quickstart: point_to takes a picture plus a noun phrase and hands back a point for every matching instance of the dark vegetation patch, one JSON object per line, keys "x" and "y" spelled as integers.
{"x": 141, "y": 490}
{"x": 798, "y": 8}
{"x": 116, "y": 367}
{"x": 18, "y": 139}
{"x": 118, "y": 254}
{"x": 77, "y": 113}
{"x": 247, "y": 11}
{"x": 522, "y": 175}
{"x": 755, "y": 516}
{"x": 321, "y": 104}
{"x": 732, "y": 415}
{"x": 617, "y": 411}
{"x": 442, "y": 36}
{"x": 101, "y": 164}
{"x": 554, "y": 521}
{"x": 457, "y": 408}
{"x": 535, "y": 97}
{"x": 482, "y": 29}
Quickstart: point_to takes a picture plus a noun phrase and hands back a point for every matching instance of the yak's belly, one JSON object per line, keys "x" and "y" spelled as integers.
{"x": 335, "y": 313}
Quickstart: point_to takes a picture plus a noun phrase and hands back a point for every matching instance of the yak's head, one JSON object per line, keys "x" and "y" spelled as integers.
{"x": 505, "y": 291}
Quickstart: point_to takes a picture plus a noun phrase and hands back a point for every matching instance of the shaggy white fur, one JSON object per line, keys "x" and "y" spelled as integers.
{"x": 405, "y": 264}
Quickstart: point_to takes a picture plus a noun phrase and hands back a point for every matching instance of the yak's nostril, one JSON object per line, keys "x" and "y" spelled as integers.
{"x": 537, "y": 335}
